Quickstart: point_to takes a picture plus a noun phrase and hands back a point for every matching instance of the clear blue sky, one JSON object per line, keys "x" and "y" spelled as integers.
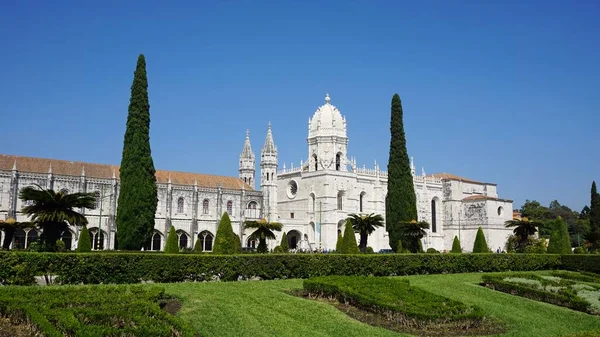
{"x": 503, "y": 91}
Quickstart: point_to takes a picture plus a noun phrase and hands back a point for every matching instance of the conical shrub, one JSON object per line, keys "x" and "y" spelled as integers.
{"x": 480, "y": 245}
{"x": 225, "y": 238}
{"x": 339, "y": 244}
{"x": 198, "y": 246}
{"x": 560, "y": 243}
{"x": 456, "y": 248}
{"x": 84, "y": 245}
{"x": 285, "y": 246}
{"x": 349, "y": 242}
{"x": 172, "y": 246}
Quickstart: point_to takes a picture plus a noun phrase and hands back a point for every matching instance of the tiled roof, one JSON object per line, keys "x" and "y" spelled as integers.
{"x": 450, "y": 176}
{"x": 480, "y": 197}
{"x": 71, "y": 168}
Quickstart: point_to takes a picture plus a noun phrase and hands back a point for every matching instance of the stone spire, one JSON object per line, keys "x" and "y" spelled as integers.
{"x": 269, "y": 143}
{"x": 247, "y": 152}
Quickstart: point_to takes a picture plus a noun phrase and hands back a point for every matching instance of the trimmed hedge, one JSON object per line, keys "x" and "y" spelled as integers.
{"x": 92, "y": 268}
{"x": 93, "y": 311}
{"x": 382, "y": 293}
{"x": 579, "y": 262}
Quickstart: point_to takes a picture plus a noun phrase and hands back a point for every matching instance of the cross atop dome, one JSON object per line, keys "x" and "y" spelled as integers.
{"x": 327, "y": 99}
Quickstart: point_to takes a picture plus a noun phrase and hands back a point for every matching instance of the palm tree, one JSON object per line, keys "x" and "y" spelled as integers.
{"x": 365, "y": 225}
{"x": 523, "y": 229}
{"x": 54, "y": 211}
{"x": 10, "y": 226}
{"x": 413, "y": 231}
{"x": 264, "y": 230}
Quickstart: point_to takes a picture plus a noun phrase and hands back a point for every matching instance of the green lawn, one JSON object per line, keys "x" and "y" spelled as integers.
{"x": 262, "y": 308}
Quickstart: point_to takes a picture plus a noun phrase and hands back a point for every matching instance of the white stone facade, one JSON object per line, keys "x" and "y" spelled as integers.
{"x": 315, "y": 197}
{"x": 311, "y": 200}
{"x": 192, "y": 203}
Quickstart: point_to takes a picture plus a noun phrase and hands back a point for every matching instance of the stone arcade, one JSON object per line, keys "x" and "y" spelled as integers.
{"x": 312, "y": 199}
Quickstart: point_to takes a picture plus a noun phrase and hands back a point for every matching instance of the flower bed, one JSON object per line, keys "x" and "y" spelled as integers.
{"x": 568, "y": 289}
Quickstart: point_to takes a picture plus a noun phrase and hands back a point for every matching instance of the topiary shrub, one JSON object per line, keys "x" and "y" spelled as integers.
{"x": 60, "y": 246}
{"x": 432, "y": 251}
{"x": 349, "y": 243}
{"x": 480, "y": 245}
{"x": 400, "y": 249}
{"x": 198, "y": 246}
{"x": 560, "y": 242}
{"x": 84, "y": 245}
{"x": 284, "y": 245}
{"x": 277, "y": 249}
{"x": 340, "y": 243}
{"x": 579, "y": 250}
{"x": 225, "y": 238}
{"x": 172, "y": 247}
{"x": 369, "y": 250}
{"x": 456, "y": 248}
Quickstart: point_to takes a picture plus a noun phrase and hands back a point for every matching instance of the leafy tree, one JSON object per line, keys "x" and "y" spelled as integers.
{"x": 54, "y": 211}
{"x": 339, "y": 244}
{"x": 412, "y": 232}
{"x": 480, "y": 245}
{"x": 172, "y": 245}
{"x": 585, "y": 213}
{"x": 198, "y": 246}
{"x": 84, "y": 244}
{"x": 349, "y": 245}
{"x": 401, "y": 201}
{"x": 560, "y": 242}
{"x": 9, "y": 227}
{"x": 285, "y": 247}
{"x": 365, "y": 225}
{"x": 456, "y": 248}
{"x": 593, "y": 236}
{"x": 523, "y": 229}
{"x": 579, "y": 232}
{"x": 263, "y": 231}
{"x": 138, "y": 193}
{"x": 225, "y": 237}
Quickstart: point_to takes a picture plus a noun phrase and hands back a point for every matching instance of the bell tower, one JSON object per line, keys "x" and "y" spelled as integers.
{"x": 247, "y": 162}
{"x": 268, "y": 176}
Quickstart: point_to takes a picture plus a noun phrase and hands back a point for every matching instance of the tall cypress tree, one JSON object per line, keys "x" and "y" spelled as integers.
{"x": 594, "y": 234}
{"x": 480, "y": 245}
{"x": 401, "y": 201}
{"x": 138, "y": 195}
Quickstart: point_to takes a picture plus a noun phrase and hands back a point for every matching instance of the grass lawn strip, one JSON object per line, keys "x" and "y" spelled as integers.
{"x": 92, "y": 311}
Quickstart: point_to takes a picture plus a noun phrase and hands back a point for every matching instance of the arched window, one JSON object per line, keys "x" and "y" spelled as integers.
{"x": 183, "y": 239}
{"x": 361, "y": 201}
{"x": 433, "y": 217}
{"x": 312, "y": 202}
{"x": 19, "y": 239}
{"x": 267, "y": 176}
{"x": 180, "y": 203}
{"x": 97, "y": 197}
{"x": 206, "y": 238}
{"x": 67, "y": 238}
{"x": 205, "y": 204}
{"x": 316, "y": 162}
{"x": 230, "y": 207}
{"x": 154, "y": 242}
{"x": 338, "y": 161}
{"x": 339, "y": 200}
{"x": 96, "y": 239}
{"x": 32, "y": 236}
{"x": 252, "y": 210}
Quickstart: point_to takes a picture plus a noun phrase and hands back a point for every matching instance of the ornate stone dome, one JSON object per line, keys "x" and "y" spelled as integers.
{"x": 327, "y": 121}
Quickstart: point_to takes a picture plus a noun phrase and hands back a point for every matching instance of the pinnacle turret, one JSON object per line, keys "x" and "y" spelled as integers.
{"x": 247, "y": 151}
{"x": 269, "y": 147}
